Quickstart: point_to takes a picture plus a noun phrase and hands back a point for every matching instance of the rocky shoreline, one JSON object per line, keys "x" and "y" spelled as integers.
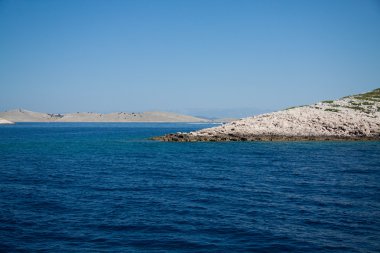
{"x": 184, "y": 137}
{"x": 352, "y": 118}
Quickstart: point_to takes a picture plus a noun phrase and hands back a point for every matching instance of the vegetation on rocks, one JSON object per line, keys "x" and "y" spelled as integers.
{"x": 370, "y": 96}
{"x": 331, "y": 110}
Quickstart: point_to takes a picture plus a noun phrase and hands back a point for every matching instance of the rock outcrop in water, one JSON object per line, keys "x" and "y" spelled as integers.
{"x": 4, "y": 121}
{"x": 350, "y": 118}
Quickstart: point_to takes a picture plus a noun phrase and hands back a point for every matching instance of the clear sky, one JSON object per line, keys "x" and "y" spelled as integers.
{"x": 195, "y": 56}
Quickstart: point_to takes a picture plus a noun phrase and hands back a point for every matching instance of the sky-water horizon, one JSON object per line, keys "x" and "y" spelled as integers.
{"x": 206, "y": 58}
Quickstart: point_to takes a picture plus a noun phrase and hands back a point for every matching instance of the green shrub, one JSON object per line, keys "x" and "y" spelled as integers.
{"x": 371, "y": 96}
{"x": 332, "y": 110}
{"x": 354, "y": 103}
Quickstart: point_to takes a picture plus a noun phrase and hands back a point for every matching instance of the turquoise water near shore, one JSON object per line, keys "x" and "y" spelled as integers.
{"x": 85, "y": 187}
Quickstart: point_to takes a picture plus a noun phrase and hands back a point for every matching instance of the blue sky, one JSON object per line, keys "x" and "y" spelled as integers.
{"x": 199, "y": 57}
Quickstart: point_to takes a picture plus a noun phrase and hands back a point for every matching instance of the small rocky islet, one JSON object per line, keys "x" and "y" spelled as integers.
{"x": 355, "y": 117}
{"x": 5, "y": 122}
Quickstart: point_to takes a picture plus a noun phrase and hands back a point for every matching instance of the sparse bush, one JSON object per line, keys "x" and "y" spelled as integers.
{"x": 332, "y": 110}
{"x": 354, "y": 103}
{"x": 371, "y": 96}
{"x": 357, "y": 108}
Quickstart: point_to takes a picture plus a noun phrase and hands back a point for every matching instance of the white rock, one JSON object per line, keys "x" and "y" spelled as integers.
{"x": 345, "y": 117}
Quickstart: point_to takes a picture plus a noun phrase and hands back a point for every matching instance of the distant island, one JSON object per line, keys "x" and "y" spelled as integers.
{"x": 355, "y": 117}
{"x": 21, "y": 115}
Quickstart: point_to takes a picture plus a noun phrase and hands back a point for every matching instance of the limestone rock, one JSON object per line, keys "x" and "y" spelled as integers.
{"x": 350, "y": 118}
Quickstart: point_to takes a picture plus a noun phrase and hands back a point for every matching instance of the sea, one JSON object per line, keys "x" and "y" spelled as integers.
{"x": 106, "y": 187}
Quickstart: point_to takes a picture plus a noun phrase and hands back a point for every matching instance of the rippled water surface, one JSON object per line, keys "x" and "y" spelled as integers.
{"x": 105, "y": 187}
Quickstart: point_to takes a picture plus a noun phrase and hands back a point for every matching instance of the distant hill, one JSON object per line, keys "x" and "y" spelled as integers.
{"x": 21, "y": 115}
{"x": 223, "y": 120}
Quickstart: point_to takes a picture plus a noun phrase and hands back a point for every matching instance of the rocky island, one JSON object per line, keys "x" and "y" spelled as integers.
{"x": 4, "y": 121}
{"x": 355, "y": 117}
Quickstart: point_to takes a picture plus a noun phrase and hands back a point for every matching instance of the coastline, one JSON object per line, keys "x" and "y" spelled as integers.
{"x": 185, "y": 137}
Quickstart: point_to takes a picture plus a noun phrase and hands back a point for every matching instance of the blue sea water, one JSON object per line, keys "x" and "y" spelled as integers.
{"x": 68, "y": 187}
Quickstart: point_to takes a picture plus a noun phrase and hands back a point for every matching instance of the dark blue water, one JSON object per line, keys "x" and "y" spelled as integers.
{"x": 105, "y": 187}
